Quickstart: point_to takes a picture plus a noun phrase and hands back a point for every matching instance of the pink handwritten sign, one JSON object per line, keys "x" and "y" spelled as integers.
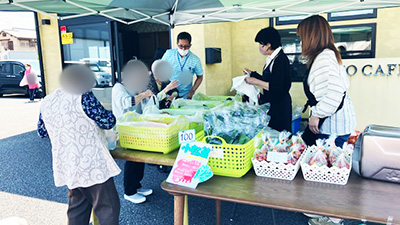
{"x": 191, "y": 157}
{"x": 185, "y": 171}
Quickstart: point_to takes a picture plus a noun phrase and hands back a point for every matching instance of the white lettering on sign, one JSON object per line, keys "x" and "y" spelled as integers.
{"x": 187, "y": 136}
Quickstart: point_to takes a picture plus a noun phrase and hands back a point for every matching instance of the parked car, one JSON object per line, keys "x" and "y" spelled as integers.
{"x": 11, "y": 74}
{"x": 103, "y": 78}
{"x": 105, "y": 64}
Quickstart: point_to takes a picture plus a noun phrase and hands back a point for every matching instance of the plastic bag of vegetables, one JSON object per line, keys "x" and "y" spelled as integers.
{"x": 235, "y": 122}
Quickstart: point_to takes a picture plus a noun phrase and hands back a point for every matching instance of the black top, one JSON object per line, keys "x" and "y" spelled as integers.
{"x": 278, "y": 94}
{"x": 165, "y": 103}
{"x": 154, "y": 87}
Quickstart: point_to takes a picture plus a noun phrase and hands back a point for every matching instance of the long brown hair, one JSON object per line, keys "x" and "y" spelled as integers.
{"x": 316, "y": 35}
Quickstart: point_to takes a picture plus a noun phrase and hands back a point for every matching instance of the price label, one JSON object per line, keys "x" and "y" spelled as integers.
{"x": 278, "y": 157}
{"x": 187, "y": 136}
{"x": 217, "y": 153}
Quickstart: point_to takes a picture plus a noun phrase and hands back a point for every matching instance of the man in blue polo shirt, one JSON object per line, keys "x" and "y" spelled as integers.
{"x": 185, "y": 65}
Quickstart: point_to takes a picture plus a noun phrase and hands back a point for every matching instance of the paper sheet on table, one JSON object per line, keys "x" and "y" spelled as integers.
{"x": 242, "y": 88}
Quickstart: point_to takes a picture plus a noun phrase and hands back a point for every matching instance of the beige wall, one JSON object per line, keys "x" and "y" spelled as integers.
{"x": 51, "y": 52}
{"x": 239, "y": 50}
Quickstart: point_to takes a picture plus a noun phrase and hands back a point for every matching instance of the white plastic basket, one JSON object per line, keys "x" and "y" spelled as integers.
{"x": 324, "y": 174}
{"x": 276, "y": 170}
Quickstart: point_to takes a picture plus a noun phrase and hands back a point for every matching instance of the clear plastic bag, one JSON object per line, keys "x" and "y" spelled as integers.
{"x": 339, "y": 157}
{"x": 236, "y": 122}
{"x": 297, "y": 140}
{"x": 284, "y": 142}
{"x": 319, "y": 157}
{"x": 294, "y": 154}
{"x": 296, "y": 111}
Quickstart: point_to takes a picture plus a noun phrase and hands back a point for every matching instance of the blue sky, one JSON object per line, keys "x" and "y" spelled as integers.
{"x": 9, "y": 20}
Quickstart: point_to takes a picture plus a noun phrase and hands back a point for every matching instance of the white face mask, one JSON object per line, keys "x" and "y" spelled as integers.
{"x": 183, "y": 52}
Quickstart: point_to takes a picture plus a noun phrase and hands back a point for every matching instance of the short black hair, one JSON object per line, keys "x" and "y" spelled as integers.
{"x": 269, "y": 35}
{"x": 184, "y": 36}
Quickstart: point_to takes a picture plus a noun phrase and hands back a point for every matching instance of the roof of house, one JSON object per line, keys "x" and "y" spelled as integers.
{"x": 21, "y": 32}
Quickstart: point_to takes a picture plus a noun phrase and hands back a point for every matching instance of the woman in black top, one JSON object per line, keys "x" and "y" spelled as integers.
{"x": 275, "y": 79}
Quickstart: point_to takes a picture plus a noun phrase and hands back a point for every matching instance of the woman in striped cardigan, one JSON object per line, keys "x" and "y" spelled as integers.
{"x": 325, "y": 86}
{"x": 325, "y": 83}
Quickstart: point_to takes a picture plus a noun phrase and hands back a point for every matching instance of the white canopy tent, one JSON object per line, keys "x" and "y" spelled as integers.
{"x": 182, "y": 12}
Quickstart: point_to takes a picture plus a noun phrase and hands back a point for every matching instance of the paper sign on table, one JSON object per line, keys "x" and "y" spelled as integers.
{"x": 187, "y": 136}
{"x": 277, "y": 157}
{"x": 190, "y": 166}
{"x": 217, "y": 153}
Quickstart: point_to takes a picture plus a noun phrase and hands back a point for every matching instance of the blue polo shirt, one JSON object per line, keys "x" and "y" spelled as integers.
{"x": 189, "y": 63}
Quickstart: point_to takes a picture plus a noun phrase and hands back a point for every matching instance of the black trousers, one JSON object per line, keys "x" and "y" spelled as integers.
{"x": 104, "y": 200}
{"x": 133, "y": 174}
{"x": 32, "y": 94}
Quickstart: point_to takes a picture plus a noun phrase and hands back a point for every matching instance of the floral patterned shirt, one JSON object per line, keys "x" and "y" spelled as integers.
{"x": 94, "y": 110}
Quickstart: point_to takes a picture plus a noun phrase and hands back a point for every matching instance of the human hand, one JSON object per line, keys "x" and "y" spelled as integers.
{"x": 247, "y": 71}
{"x": 313, "y": 124}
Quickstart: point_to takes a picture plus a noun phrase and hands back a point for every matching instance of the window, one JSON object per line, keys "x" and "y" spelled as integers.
{"x": 32, "y": 43}
{"x": 353, "y": 41}
{"x": 285, "y": 20}
{"x": 10, "y": 45}
{"x": 18, "y": 69}
{"x": 4, "y": 34}
{"x": 352, "y": 15}
{"x": 95, "y": 68}
{"x": 24, "y": 43}
{"x": 4, "y": 44}
{"x": 5, "y": 68}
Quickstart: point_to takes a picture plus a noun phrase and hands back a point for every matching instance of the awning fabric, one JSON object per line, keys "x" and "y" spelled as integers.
{"x": 180, "y": 12}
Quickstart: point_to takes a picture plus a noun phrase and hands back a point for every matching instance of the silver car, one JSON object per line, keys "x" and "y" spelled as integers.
{"x": 102, "y": 77}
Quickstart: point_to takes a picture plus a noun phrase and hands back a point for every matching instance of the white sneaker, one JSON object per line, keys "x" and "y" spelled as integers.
{"x": 136, "y": 198}
{"x": 144, "y": 191}
{"x": 323, "y": 221}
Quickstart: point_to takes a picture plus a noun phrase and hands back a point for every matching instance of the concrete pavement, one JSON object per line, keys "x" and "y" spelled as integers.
{"x": 27, "y": 188}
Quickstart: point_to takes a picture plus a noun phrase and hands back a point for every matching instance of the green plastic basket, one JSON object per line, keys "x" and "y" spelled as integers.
{"x": 236, "y": 160}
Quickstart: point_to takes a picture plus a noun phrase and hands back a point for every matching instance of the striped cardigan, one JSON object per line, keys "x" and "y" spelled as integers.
{"x": 328, "y": 81}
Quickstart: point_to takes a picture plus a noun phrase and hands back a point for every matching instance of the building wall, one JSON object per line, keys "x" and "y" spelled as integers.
{"x": 18, "y": 46}
{"x": 375, "y": 97}
{"x": 51, "y": 52}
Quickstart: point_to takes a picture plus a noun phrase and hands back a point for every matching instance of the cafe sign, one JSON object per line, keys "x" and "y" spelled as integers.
{"x": 373, "y": 67}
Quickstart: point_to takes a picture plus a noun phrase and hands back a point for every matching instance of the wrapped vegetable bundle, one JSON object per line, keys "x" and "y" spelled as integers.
{"x": 294, "y": 146}
{"x": 328, "y": 154}
{"x": 279, "y": 155}
{"x": 235, "y": 122}
{"x": 327, "y": 163}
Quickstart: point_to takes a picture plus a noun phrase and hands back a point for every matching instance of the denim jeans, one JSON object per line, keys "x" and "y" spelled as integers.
{"x": 339, "y": 141}
{"x": 32, "y": 94}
